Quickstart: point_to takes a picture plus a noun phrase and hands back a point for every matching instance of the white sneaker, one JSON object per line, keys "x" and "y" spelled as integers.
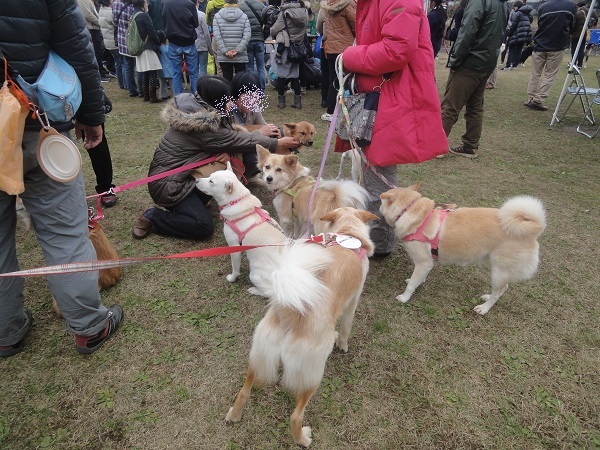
{"x": 326, "y": 117}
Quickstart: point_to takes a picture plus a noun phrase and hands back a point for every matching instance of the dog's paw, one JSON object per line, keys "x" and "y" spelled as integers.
{"x": 306, "y": 439}
{"x": 403, "y": 298}
{"x": 340, "y": 343}
{"x": 481, "y": 309}
{"x": 230, "y": 417}
{"x": 256, "y": 291}
{"x": 231, "y": 277}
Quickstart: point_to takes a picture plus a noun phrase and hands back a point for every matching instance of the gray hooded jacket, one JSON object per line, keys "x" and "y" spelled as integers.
{"x": 231, "y": 29}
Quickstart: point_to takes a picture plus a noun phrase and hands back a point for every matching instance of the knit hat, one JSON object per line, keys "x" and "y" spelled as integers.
{"x": 231, "y": 1}
{"x": 517, "y": 4}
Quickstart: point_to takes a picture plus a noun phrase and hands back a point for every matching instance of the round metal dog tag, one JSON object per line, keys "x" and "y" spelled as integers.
{"x": 348, "y": 241}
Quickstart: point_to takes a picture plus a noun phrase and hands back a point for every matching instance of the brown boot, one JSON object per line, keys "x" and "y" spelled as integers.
{"x": 146, "y": 91}
{"x": 141, "y": 227}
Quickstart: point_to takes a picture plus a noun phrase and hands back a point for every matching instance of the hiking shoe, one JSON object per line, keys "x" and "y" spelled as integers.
{"x": 537, "y": 106}
{"x": 10, "y": 350}
{"x": 326, "y": 117}
{"x": 108, "y": 200}
{"x": 89, "y": 344}
{"x": 460, "y": 150}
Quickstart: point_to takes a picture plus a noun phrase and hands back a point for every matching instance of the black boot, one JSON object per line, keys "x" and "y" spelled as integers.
{"x": 281, "y": 101}
{"x": 153, "y": 97}
{"x": 146, "y": 91}
{"x": 297, "y": 102}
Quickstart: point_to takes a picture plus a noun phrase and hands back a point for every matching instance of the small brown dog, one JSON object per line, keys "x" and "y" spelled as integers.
{"x": 303, "y": 131}
{"x": 104, "y": 251}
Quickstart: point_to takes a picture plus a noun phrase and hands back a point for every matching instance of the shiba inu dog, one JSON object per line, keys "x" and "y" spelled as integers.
{"x": 312, "y": 286}
{"x": 505, "y": 237}
{"x": 292, "y": 188}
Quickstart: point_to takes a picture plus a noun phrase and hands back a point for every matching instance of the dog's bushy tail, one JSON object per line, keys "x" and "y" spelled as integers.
{"x": 349, "y": 192}
{"x": 294, "y": 282}
{"x": 522, "y": 216}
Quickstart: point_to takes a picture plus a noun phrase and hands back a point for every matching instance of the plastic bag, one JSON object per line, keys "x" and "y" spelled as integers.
{"x": 13, "y": 113}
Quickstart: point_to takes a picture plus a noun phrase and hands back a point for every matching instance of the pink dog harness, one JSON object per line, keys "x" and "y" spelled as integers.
{"x": 262, "y": 214}
{"x": 419, "y": 236}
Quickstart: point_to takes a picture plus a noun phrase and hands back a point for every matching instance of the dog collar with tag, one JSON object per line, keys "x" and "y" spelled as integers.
{"x": 343, "y": 240}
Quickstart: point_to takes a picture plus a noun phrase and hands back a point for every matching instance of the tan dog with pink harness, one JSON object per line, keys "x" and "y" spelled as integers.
{"x": 505, "y": 237}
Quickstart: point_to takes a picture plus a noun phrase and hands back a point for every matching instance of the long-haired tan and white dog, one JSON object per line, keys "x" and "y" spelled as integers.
{"x": 292, "y": 187}
{"x": 245, "y": 223}
{"x": 506, "y": 237}
{"x": 312, "y": 287}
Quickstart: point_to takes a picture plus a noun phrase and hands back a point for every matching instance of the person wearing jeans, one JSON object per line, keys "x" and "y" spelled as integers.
{"x": 256, "y": 47}
{"x": 256, "y": 61}
{"x": 181, "y": 20}
{"x": 177, "y": 55}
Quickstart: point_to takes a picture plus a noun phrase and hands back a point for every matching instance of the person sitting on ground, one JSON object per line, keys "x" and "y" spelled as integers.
{"x": 247, "y": 110}
{"x": 199, "y": 128}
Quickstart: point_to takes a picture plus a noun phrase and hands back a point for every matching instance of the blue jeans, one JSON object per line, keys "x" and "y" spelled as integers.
{"x": 256, "y": 53}
{"x": 203, "y": 62}
{"x": 118, "y": 59}
{"x": 176, "y": 57}
{"x": 130, "y": 75}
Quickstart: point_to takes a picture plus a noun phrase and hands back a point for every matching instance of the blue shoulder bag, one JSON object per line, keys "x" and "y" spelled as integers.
{"x": 57, "y": 91}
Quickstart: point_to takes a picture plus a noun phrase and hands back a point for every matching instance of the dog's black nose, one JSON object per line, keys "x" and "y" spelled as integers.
{"x": 269, "y": 179}
{"x": 309, "y": 143}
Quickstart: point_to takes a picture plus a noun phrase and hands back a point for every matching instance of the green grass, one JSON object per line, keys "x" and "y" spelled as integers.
{"x": 428, "y": 374}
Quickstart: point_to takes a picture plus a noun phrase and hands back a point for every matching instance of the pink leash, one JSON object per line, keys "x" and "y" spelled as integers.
{"x": 326, "y": 151}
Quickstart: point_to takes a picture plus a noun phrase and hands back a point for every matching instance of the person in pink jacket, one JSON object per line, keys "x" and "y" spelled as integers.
{"x": 393, "y": 36}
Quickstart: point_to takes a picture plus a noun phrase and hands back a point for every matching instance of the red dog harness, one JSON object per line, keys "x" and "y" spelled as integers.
{"x": 419, "y": 236}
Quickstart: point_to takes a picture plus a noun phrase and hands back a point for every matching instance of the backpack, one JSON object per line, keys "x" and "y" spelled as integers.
{"x": 211, "y": 16}
{"x": 133, "y": 40}
{"x": 269, "y": 16}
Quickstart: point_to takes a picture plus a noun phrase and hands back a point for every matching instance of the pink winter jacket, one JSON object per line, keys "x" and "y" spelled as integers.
{"x": 393, "y": 36}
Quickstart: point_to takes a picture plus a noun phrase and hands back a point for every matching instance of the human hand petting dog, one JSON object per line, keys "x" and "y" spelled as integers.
{"x": 270, "y": 130}
{"x": 287, "y": 142}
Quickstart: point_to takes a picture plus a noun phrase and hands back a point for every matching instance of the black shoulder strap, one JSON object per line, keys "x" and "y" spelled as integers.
{"x": 255, "y": 13}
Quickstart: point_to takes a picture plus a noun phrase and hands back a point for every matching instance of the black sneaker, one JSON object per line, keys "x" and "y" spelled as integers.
{"x": 460, "y": 150}
{"x": 10, "y": 350}
{"x": 89, "y": 344}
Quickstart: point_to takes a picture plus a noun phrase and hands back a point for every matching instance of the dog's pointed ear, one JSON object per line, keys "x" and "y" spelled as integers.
{"x": 365, "y": 216}
{"x": 291, "y": 160}
{"x": 229, "y": 168}
{"x": 229, "y": 187}
{"x": 416, "y": 186}
{"x": 330, "y": 217}
{"x": 263, "y": 154}
{"x": 386, "y": 195}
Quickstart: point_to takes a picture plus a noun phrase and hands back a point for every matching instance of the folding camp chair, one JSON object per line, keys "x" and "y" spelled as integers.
{"x": 578, "y": 91}
{"x": 589, "y": 113}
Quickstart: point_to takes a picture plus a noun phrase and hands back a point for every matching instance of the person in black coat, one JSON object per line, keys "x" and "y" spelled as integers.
{"x": 437, "y": 24}
{"x": 29, "y": 29}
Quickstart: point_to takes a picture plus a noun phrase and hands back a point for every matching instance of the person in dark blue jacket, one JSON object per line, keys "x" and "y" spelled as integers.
{"x": 556, "y": 20}
{"x": 29, "y": 29}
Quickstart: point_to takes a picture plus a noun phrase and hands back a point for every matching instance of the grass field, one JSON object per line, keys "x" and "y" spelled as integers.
{"x": 428, "y": 374}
